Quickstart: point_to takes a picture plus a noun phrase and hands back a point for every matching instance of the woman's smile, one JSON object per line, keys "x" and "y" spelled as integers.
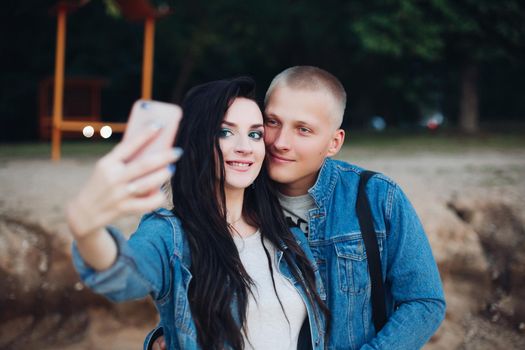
{"x": 239, "y": 165}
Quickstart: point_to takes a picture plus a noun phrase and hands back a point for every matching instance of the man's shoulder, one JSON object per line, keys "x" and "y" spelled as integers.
{"x": 339, "y": 179}
{"x": 351, "y": 172}
{"x": 380, "y": 189}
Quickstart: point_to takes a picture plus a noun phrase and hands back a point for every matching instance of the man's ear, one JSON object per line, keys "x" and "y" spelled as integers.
{"x": 336, "y": 143}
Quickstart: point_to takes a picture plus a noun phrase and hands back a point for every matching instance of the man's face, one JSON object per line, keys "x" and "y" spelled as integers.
{"x": 299, "y": 134}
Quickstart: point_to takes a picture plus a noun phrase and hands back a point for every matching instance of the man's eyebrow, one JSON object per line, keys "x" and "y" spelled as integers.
{"x": 301, "y": 122}
{"x": 297, "y": 121}
{"x": 271, "y": 116}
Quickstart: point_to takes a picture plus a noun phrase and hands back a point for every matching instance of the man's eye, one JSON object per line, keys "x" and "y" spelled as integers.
{"x": 305, "y": 130}
{"x": 256, "y": 135}
{"x": 271, "y": 122}
{"x": 225, "y": 132}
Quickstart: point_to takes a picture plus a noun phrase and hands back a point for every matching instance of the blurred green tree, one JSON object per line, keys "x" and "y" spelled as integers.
{"x": 459, "y": 33}
{"x": 397, "y": 58}
{"x": 478, "y": 31}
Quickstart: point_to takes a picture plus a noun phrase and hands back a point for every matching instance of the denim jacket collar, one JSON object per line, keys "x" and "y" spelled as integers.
{"x": 323, "y": 188}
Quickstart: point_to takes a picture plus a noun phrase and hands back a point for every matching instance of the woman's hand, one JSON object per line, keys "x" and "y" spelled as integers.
{"x": 121, "y": 185}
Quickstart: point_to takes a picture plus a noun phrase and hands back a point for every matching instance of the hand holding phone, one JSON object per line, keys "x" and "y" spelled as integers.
{"x": 125, "y": 181}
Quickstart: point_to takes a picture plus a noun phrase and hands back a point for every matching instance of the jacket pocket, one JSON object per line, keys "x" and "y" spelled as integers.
{"x": 352, "y": 264}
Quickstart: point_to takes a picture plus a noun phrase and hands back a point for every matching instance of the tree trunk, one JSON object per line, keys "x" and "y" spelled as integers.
{"x": 469, "y": 109}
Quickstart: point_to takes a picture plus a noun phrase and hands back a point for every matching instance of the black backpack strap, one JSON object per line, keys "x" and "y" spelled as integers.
{"x": 366, "y": 223}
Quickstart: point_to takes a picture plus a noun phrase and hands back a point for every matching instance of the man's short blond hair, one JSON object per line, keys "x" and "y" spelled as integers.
{"x": 312, "y": 79}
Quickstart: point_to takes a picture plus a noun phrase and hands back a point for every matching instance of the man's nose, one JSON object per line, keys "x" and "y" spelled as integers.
{"x": 281, "y": 140}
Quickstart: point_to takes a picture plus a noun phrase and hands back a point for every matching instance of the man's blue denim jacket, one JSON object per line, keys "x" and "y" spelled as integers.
{"x": 156, "y": 261}
{"x": 415, "y": 299}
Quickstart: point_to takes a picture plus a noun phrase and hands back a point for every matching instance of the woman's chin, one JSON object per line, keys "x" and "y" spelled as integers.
{"x": 237, "y": 185}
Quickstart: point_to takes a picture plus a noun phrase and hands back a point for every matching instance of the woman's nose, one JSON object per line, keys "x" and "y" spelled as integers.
{"x": 243, "y": 145}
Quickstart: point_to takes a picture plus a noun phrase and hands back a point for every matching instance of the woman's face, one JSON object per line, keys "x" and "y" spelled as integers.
{"x": 242, "y": 144}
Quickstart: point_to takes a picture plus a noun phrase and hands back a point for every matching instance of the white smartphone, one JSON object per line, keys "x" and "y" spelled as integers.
{"x": 145, "y": 114}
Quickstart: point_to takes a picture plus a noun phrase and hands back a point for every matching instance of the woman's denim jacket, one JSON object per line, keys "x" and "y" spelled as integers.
{"x": 156, "y": 261}
{"x": 415, "y": 300}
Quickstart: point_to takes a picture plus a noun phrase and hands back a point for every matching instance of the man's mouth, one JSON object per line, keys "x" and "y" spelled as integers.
{"x": 279, "y": 159}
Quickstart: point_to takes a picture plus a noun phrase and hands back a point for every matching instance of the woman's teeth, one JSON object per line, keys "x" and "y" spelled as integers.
{"x": 239, "y": 164}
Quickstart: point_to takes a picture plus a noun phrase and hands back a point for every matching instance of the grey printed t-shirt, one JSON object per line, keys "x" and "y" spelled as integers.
{"x": 296, "y": 209}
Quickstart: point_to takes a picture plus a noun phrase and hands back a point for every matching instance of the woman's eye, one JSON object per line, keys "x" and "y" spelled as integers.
{"x": 225, "y": 132}
{"x": 256, "y": 135}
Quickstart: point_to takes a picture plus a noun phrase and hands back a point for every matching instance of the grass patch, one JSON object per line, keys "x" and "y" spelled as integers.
{"x": 42, "y": 150}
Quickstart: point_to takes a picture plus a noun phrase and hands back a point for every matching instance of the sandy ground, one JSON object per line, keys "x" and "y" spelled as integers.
{"x": 36, "y": 190}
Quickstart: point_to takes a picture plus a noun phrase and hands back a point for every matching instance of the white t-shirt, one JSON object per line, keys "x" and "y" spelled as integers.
{"x": 266, "y": 324}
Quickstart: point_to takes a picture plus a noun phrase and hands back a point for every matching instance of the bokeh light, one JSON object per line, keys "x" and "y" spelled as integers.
{"x": 88, "y": 131}
{"x": 106, "y": 131}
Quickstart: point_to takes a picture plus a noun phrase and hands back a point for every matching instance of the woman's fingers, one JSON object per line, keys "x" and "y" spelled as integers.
{"x": 116, "y": 188}
{"x": 125, "y": 151}
{"x": 141, "y": 167}
{"x": 144, "y": 204}
{"x": 122, "y": 185}
{"x": 149, "y": 183}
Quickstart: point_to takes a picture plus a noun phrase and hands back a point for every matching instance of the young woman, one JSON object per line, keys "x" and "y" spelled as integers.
{"x": 222, "y": 266}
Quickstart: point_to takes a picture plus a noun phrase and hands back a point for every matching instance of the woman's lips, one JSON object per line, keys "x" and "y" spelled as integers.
{"x": 239, "y": 165}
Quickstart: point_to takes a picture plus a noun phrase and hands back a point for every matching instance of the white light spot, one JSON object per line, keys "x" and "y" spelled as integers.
{"x": 106, "y": 131}
{"x": 79, "y": 286}
{"x": 88, "y": 131}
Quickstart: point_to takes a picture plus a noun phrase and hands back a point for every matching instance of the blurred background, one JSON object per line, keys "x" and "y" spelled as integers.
{"x": 404, "y": 61}
{"x": 436, "y": 100}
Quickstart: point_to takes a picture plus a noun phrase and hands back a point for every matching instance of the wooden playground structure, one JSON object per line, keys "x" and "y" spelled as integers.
{"x": 133, "y": 10}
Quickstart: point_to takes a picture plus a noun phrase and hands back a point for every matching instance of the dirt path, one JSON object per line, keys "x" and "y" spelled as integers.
{"x": 35, "y": 191}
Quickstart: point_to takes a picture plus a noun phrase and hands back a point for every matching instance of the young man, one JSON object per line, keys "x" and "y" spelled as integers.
{"x": 304, "y": 108}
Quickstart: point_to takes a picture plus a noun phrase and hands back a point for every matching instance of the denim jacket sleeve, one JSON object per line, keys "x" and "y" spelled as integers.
{"x": 412, "y": 279}
{"x": 142, "y": 266}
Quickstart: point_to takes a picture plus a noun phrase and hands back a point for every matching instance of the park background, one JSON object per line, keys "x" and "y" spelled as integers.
{"x": 444, "y": 78}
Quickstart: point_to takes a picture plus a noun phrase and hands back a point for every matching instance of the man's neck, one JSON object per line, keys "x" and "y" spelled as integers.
{"x": 292, "y": 192}
{"x": 299, "y": 187}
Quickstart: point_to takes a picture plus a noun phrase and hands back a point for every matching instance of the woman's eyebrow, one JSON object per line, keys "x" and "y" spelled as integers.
{"x": 253, "y": 126}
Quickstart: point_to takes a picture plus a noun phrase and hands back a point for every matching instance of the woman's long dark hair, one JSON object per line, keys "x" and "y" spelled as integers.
{"x": 219, "y": 278}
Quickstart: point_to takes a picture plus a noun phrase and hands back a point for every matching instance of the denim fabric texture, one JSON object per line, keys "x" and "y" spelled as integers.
{"x": 415, "y": 299}
{"x": 156, "y": 261}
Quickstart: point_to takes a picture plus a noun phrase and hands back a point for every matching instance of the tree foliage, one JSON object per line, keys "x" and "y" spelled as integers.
{"x": 397, "y": 58}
